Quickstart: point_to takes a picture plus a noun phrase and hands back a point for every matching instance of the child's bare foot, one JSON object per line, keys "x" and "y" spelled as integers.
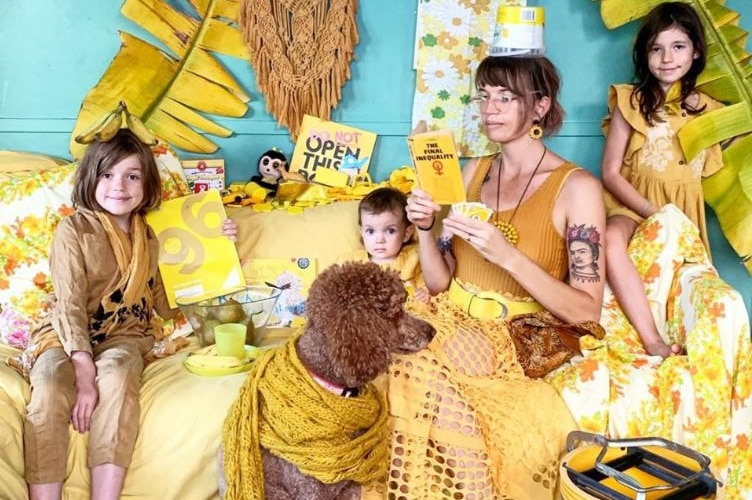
{"x": 659, "y": 348}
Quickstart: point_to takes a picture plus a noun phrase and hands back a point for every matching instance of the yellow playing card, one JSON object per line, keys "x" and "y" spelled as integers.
{"x": 472, "y": 209}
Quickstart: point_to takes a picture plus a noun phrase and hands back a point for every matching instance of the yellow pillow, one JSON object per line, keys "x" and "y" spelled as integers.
{"x": 174, "y": 182}
{"x": 18, "y": 161}
{"x": 322, "y": 232}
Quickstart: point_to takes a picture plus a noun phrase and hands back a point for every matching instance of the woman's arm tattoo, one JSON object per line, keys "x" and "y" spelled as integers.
{"x": 584, "y": 247}
{"x": 445, "y": 246}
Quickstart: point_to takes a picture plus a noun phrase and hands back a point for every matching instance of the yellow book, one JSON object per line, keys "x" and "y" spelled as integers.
{"x": 437, "y": 165}
{"x": 293, "y": 276}
{"x": 331, "y": 153}
{"x": 195, "y": 259}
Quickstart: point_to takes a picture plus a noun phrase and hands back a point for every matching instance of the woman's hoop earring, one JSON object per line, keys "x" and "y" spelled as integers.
{"x": 536, "y": 131}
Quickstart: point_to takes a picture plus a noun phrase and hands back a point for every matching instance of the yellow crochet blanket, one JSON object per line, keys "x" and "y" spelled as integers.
{"x": 281, "y": 408}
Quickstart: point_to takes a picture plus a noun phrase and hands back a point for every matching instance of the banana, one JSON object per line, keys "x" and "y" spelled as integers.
{"x": 214, "y": 362}
{"x": 211, "y": 350}
{"x": 138, "y": 127}
{"x": 105, "y": 128}
{"x": 205, "y": 361}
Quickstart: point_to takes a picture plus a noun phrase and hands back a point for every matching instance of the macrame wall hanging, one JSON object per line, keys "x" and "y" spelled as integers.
{"x": 300, "y": 51}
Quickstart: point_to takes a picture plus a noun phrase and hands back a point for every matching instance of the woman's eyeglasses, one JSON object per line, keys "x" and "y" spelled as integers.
{"x": 500, "y": 102}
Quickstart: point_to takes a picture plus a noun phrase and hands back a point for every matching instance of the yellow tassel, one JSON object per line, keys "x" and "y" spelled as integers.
{"x": 298, "y": 82}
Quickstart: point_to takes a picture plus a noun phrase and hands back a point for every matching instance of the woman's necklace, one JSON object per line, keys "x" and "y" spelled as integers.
{"x": 505, "y": 226}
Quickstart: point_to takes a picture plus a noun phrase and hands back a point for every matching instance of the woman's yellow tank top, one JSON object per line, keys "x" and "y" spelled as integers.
{"x": 539, "y": 239}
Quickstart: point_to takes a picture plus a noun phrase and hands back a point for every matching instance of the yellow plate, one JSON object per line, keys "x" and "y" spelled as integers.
{"x": 251, "y": 352}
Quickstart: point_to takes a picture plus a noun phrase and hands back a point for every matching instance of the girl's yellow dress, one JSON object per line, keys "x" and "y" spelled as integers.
{"x": 654, "y": 162}
{"x": 407, "y": 264}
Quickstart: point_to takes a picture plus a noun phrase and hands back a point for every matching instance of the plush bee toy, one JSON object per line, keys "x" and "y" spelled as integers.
{"x": 270, "y": 166}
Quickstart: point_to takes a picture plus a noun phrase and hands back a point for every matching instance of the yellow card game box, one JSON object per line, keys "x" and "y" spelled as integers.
{"x": 437, "y": 165}
{"x": 331, "y": 153}
{"x": 293, "y": 276}
{"x": 195, "y": 259}
{"x": 205, "y": 174}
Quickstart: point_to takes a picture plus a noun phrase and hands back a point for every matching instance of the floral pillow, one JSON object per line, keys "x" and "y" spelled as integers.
{"x": 32, "y": 202}
{"x": 31, "y": 205}
{"x": 174, "y": 182}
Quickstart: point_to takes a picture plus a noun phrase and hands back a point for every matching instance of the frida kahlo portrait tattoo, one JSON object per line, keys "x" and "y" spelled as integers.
{"x": 583, "y": 243}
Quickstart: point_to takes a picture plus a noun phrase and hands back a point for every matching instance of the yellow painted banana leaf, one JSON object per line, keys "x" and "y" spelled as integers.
{"x": 727, "y": 78}
{"x": 168, "y": 90}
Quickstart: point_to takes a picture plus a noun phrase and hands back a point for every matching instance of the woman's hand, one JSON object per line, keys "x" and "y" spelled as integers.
{"x": 230, "y": 229}
{"x": 87, "y": 395}
{"x": 483, "y": 236}
{"x": 421, "y": 209}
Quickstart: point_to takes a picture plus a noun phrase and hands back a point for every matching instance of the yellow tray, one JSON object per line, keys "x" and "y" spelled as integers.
{"x": 598, "y": 459}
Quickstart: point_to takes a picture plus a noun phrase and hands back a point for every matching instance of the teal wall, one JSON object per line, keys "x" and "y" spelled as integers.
{"x": 54, "y": 51}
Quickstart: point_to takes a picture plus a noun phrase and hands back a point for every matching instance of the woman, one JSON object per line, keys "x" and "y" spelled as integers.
{"x": 467, "y": 422}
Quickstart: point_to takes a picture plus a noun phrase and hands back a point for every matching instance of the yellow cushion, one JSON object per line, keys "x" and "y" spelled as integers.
{"x": 174, "y": 182}
{"x": 14, "y": 393}
{"x": 321, "y": 232}
{"x": 18, "y": 161}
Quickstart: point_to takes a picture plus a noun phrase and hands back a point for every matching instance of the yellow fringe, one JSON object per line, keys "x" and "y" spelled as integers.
{"x": 269, "y": 412}
{"x": 301, "y": 53}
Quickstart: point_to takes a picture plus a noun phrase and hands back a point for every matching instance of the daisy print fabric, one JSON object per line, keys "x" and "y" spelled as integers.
{"x": 452, "y": 37}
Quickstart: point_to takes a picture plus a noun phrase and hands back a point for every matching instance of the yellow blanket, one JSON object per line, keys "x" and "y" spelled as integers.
{"x": 703, "y": 399}
{"x": 176, "y": 450}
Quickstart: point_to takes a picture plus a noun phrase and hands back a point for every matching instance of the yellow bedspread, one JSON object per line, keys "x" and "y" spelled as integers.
{"x": 702, "y": 399}
{"x": 176, "y": 450}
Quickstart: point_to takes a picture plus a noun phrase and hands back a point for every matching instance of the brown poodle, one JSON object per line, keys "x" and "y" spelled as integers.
{"x": 356, "y": 320}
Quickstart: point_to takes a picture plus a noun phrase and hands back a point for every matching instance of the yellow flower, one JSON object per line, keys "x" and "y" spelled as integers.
{"x": 446, "y": 40}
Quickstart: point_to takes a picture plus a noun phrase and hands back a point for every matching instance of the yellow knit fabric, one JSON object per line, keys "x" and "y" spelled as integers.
{"x": 281, "y": 408}
{"x": 465, "y": 421}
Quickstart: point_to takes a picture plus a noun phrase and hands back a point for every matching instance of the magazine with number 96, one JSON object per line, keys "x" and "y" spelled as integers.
{"x": 195, "y": 259}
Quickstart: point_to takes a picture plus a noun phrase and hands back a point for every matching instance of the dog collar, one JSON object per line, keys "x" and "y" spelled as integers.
{"x": 348, "y": 392}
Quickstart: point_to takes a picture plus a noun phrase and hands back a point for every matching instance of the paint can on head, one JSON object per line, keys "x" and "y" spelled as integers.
{"x": 518, "y": 32}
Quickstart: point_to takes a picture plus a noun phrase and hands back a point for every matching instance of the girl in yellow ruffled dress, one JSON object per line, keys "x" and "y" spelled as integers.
{"x": 643, "y": 166}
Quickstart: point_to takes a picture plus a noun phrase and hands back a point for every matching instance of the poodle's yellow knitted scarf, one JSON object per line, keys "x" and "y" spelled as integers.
{"x": 281, "y": 408}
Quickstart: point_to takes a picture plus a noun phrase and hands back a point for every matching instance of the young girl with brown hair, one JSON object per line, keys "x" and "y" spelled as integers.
{"x": 85, "y": 360}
